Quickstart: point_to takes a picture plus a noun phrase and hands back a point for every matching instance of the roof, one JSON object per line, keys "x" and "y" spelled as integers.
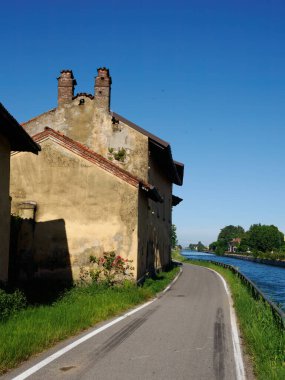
{"x": 176, "y": 200}
{"x": 18, "y": 138}
{"x": 139, "y": 129}
{"x": 161, "y": 150}
{"x": 88, "y": 154}
{"x": 180, "y": 169}
{"x": 235, "y": 240}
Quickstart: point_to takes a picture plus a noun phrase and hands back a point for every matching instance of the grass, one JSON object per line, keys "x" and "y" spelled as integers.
{"x": 39, "y": 327}
{"x": 278, "y": 255}
{"x": 264, "y": 338}
{"x": 175, "y": 254}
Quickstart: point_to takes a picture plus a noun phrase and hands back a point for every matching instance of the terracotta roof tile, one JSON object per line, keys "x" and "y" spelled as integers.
{"x": 84, "y": 152}
{"x": 174, "y": 170}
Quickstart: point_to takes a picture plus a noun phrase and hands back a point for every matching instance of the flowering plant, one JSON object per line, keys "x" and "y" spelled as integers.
{"x": 110, "y": 268}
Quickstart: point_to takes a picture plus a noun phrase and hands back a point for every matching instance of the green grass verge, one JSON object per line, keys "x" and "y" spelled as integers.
{"x": 37, "y": 328}
{"x": 263, "y": 336}
{"x": 175, "y": 254}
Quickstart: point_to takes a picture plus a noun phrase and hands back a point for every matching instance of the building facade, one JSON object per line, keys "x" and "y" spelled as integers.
{"x": 101, "y": 183}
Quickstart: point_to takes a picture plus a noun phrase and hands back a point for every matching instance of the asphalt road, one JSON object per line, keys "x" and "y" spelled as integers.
{"x": 185, "y": 334}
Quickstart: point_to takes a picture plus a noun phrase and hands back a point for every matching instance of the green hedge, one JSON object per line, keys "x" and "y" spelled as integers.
{"x": 11, "y": 303}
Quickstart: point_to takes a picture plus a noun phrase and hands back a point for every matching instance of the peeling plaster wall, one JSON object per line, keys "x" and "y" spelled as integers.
{"x": 95, "y": 129}
{"x": 4, "y": 207}
{"x": 82, "y": 210}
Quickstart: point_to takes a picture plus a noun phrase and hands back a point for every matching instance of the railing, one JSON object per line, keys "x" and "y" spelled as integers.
{"x": 256, "y": 293}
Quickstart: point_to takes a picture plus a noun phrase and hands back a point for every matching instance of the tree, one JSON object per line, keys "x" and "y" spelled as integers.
{"x": 200, "y": 247}
{"x": 226, "y": 234}
{"x": 213, "y": 246}
{"x": 197, "y": 247}
{"x": 263, "y": 238}
{"x": 173, "y": 236}
{"x": 219, "y": 247}
{"x": 230, "y": 232}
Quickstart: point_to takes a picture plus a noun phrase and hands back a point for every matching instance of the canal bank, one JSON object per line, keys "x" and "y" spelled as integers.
{"x": 275, "y": 263}
{"x": 269, "y": 279}
{"x": 262, "y": 335}
{"x": 187, "y": 333}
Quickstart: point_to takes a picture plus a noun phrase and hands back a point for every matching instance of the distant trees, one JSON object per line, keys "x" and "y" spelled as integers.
{"x": 201, "y": 247}
{"x": 226, "y": 235}
{"x": 173, "y": 236}
{"x": 259, "y": 238}
{"x": 230, "y": 232}
{"x": 262, "y": 238}
{"x": 198, "y": 247}
{"x": 219, "y": 247}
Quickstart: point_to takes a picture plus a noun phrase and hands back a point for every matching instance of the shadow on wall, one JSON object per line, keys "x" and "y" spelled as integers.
{"x": 153, "y": 241}
{"x": 39, "y": 258}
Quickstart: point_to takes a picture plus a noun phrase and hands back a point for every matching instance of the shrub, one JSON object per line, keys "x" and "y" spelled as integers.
{"x": 109, "y": 269}
{"x": 120, "y": 155}
{"x": 10, "y": 303}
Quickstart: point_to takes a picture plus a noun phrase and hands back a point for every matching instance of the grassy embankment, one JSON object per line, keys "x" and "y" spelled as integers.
{"x": 276, "y": 256}
{"x": 37, "y": 328}
{"x": 263, "y": 336}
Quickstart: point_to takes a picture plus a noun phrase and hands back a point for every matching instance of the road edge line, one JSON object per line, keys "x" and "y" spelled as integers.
{"x": 30, "y": 371}
{"x": 171, "y": 284}
{"x": 240, "y": 371}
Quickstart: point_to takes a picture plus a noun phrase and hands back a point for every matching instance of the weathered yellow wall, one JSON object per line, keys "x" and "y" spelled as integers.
{"x": 4, "y": 207}
{"x": 94, "y": 128}
{"x": 155, "y": 223}
{"x": 82, "y": 210}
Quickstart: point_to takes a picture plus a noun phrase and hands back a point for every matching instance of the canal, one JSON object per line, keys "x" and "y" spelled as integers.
{"x": 269, "y": 279}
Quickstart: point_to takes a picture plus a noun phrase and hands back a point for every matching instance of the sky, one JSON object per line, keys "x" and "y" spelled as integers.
{"x": 207, "y": 76}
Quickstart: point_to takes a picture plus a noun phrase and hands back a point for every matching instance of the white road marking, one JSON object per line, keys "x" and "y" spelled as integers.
{"x": 240, "y": 372}
{"x": 86, "y": 337}
{"x": 64, "y": 350}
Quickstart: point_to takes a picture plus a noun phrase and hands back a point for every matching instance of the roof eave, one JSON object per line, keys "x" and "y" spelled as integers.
{"x": 151, "y": 192}
{"x": 18, "y": 138}
{"x": 176, "y": 200}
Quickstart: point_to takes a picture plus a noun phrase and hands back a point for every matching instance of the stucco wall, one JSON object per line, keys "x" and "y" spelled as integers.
{"x": 82, "y": 210}
{"x": 95, "y": 129}
{"x": 4, "y": 207}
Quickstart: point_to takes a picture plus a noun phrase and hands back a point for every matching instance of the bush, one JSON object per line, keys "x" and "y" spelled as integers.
{"x": 10, "y": 303}
{"x": 109, "y": 269}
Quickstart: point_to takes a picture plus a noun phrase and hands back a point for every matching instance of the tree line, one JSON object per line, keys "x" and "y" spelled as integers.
{"x": 200, "y": 247}
{"x": 258, "y": 240}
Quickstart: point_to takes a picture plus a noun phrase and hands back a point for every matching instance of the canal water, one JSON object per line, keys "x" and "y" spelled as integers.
{"x": 269, "y": 279}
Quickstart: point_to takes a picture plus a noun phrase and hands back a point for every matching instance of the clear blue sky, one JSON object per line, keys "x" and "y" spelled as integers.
{"x": 207, "y": 76}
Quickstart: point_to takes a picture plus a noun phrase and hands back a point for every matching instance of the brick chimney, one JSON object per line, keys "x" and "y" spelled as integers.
{"x": 103, "y": 89}
{"x": 66, "y": 84}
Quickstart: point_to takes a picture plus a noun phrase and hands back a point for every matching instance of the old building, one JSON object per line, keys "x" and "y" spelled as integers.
{"x": 233, "y": 245}
{"x": 101, "y": 183}
{"x": 12, "y": 137}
